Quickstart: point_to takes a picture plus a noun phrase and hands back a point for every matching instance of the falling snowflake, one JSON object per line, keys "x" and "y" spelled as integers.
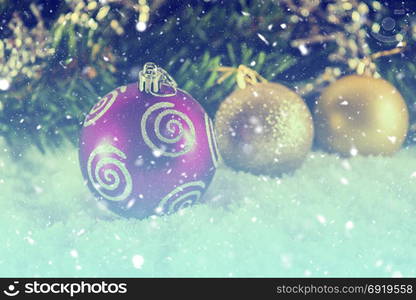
{"x": 321, "y": 219}
{"x": 353, "y": 152}
{"x": 141, "y": 26}
{"x": 263, "y": 39}
{"x": 344, "y": 180}
{"x": 349, "y": 225}
{"x": 74, "y": 253}
{"x": 303, "y": 50}
{"x": 4, "y": 84}
{"x": 137, "y": 261}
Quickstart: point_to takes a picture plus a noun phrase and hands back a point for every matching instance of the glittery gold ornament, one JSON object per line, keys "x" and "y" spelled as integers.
{"x": 264, "y": 128}
{"x": 361, "y": 114}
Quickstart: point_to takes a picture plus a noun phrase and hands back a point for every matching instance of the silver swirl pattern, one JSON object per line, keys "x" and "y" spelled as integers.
{"x": 103, "y": 106}
{"x": 173, "y": 126}
{"x": 107, "y": 172}
{"x": 212, "y": 141}
{"x": 181, "y": 197}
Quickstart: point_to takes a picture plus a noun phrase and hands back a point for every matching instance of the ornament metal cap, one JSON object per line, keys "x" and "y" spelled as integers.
{"x": 151, "y": 79}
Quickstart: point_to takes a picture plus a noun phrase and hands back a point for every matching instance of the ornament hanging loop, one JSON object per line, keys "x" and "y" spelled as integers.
{"x": 151, "y": 79}
{"x": 243, "y": 75}
{"x": 368, "y": 66}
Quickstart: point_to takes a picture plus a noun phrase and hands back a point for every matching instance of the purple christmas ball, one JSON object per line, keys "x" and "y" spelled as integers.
{"x": 144, "y": 154}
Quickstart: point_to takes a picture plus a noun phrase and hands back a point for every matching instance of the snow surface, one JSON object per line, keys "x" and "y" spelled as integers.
{"x": 333, "y": 217}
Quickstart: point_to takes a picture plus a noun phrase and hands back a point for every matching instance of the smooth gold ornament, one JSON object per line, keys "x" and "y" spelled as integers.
{"x": 264, "y": 128}
{"x": 361, "y": 115}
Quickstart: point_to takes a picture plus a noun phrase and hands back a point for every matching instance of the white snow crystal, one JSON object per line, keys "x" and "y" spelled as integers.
{"x": 4, "y": 84}
{"x": 349, "y": 225}
{"x": 400, "y": 75}
{"x": 353, "y": 152}
{"x": 253, "y": 120}
{"x": 247, "y": 148}
{"x": 346, "y": 165}
{"x": 141, "y": 26}
{"x": 37, "y": 189}
{"x": 303, "y": 50}
{"x": 397, "y": 274}
{"x": 130, "y": 203}
{"x": 157, "y": 152}
{"x": 286, "y": 260}
{"x": 321, "y": 219}
{"x": 263, "y": 39}
{"x": 258, "y": 129}
{"x": 81, "y": 232}
{"x": 139, "y": 162}
{"x": 74, "y": 253}
{"x": 378, "y": 263}
{"x": 30, "y": 240}
{"x": 137, "y": 261}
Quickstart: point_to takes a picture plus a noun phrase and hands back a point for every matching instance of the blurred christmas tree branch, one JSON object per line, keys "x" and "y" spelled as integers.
{"x": 54, "y": 66}
{"x": 349, "y": 29}
{"x": 51, "y": 76}
{"x": 21, "y": 54}
{"x": 342, "y": 23}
